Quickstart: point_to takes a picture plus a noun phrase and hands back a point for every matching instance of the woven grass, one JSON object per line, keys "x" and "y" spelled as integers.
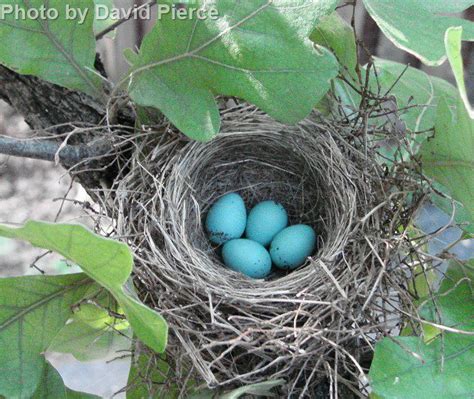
{"x": 317, "y": 323}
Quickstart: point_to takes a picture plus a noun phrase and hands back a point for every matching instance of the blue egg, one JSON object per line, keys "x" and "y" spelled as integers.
{"x": 247, "y": 257}
{"x": 265, "y": 221}
{"x": 226, "y": 219}
{"x": 291, "y": 246}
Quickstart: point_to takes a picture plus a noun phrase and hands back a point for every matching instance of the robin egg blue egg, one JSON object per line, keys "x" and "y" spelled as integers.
{"x": 265, "y": 221}
{"x": 291, "y": 246}
{"x": 247, "y": 257}
{"x": 226, "y": 219}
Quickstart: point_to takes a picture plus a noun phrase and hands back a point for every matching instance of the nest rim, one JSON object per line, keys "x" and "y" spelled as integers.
{"x": 157, "y": 163}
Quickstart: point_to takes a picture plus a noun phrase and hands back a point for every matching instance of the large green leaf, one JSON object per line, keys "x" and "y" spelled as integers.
{"x": 52, "y": 387}
{"x": 106, "y": 261}
{"x": 417, "y": 94}
{"x": 448, "y": 7}
{"x": 256, "y": 50}
{"x": 452, "y": 207}
{"x": 60, "y": 50}
{"x": 453, "y": 306}
{"x": 410, "y": 367}
{"x": 462, "y": 213}
{"x": 94, "y": 332}
{"x": 104, "y": 16}
{"x": 336, "y": 34}
{"x": 448, "y": 157}
{"x": 419, "y": 26}
{"x": 407, "y": 368}
{"x": 453, "y": 49}
{"x": 412, "y": 88}
{"x": 150, "y": 378}
{"x": 32, "y": 310}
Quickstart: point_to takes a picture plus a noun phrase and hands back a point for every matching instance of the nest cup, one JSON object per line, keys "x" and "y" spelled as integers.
{"x": 226, "y": 328}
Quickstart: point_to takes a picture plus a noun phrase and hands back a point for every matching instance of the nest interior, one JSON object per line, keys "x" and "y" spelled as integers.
{"x": 312, "y": 323}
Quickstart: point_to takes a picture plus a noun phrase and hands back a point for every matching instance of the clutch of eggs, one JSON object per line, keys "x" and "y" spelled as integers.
{"x": 265, "y": 227}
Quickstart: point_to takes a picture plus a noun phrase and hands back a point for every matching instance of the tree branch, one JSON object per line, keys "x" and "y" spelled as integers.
{"x": 47, "y": 106}
{"x": 48, "y": 150}
{"x": 44, "y": 104}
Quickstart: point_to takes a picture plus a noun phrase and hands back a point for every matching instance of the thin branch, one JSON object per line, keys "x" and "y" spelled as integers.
{"x": 48, "y": 150}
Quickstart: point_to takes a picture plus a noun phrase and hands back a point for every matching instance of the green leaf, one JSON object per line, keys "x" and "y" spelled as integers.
{"x": 451, "y": 6}
{"x": 347, "y": 97}
{"x": 106, "y": 261}
{"x": 417, "y": 94}
{"x": 448, "y": 157}
{"x": 52, "y": 386}
{"x": 93, "y": 332}
{"x": 32, "y": 310}
{"x": 60, "y": 50}
{"x": 337, "y": 35}
{"x": 408, "y": 367}
{"x": 130, "y": 56}
{"x": 424, "y": 280}
{"x": 448, "y": 205}
{"x": 453, "y": 306}
{"x": 412, "y": 87}
{"x": 453, "y": 49}
{"x": 334, "y": 33}
{"x": 418, "y": 26}
{"x": 258, "y": 51}
{"x": 103, "y": 16}
{"x": 148, "y": 379}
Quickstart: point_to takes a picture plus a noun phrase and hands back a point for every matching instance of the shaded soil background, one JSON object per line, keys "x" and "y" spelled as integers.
{"x": 31, "y": 189}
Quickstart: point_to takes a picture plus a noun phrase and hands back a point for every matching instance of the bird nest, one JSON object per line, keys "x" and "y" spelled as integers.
{"x": 316, "y": 324}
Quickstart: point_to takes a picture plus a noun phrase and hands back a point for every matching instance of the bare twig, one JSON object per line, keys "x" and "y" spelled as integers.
{"x": 48, "y": 150}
